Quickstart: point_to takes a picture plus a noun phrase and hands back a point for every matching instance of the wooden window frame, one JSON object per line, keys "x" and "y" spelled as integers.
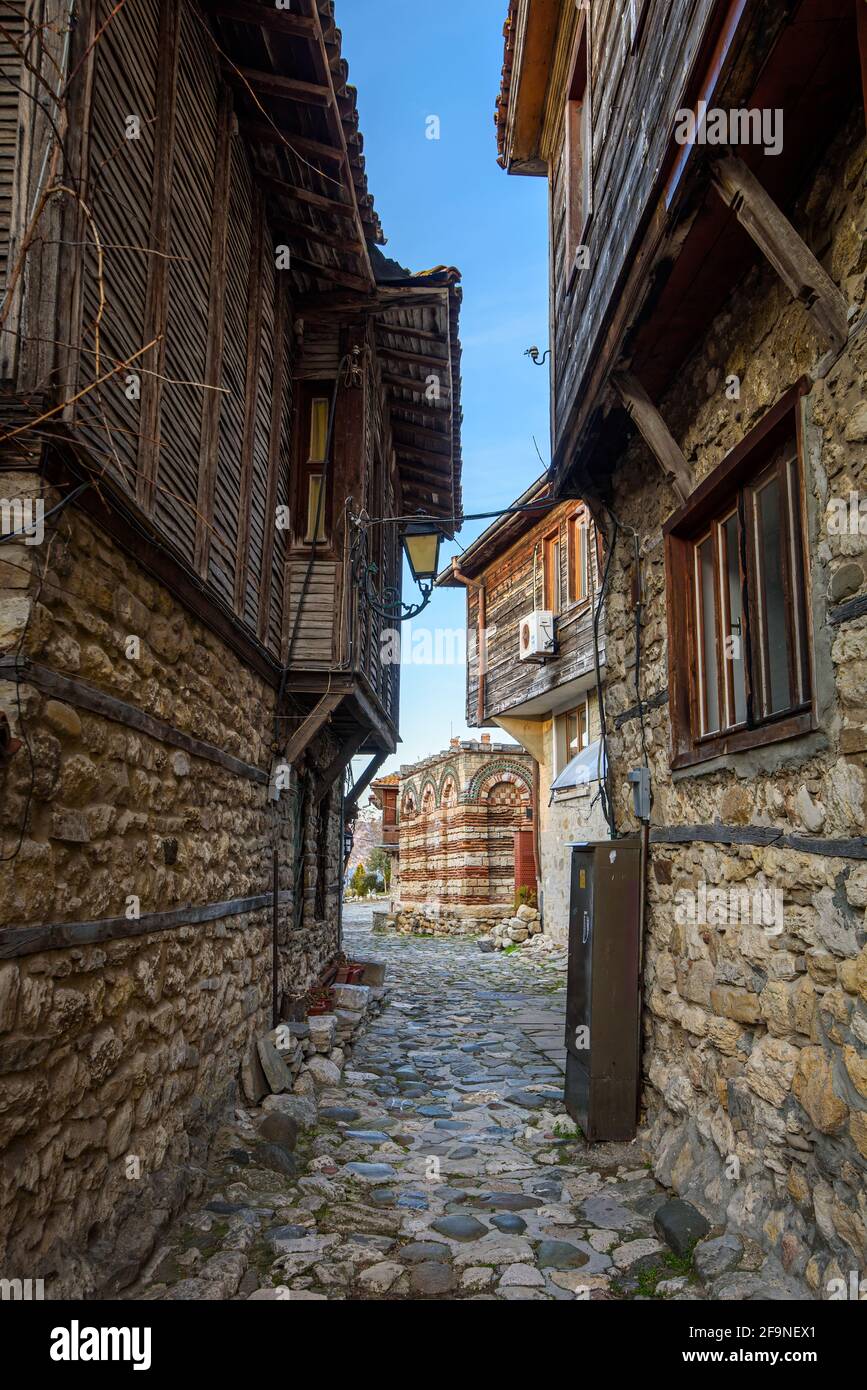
{"x": 309, "y": 469}
{"x": 552, "y": 573}
{"x": 562, "y": 756}
{"x": 579, "y": 525}
{"x": 578, "y": 152}
{"x": 728, "y": 487}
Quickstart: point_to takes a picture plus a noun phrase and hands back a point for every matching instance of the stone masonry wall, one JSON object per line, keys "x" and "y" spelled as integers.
{"x": 118, "y": 1057}
{"x": 755, "y": 1043}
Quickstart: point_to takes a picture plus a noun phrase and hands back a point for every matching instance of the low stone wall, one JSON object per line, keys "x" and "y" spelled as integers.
{"x": 430, "y": 919}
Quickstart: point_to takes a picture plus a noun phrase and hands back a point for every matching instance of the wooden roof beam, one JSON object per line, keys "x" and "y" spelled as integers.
{"x": 430, "y": 436}
{"x": 288, "y": 140}
{"x": 409, "y": 383}
{"x": 274, "y": 84}
{"x": 419, "y": 359}
{"x": 336, "y": 124}
{"x": 780, "y": 244}
{"x": 655, "y": 433}
{"x": 304, "y": 195}
{"x": 424, "y": 335}
{"x": 279, "y": 21}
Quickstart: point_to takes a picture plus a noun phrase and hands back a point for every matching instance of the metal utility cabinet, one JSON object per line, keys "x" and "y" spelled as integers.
{"x": 603, "y": 988}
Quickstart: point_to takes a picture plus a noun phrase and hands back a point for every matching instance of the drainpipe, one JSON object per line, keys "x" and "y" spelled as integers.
{"x": 481, "y": 623}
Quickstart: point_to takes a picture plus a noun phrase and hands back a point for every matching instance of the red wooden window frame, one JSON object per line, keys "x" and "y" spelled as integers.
{"x": 724, "y": 687}
{"x": 579, "y": 556}
{"x": 552, "y": 572}
{"x": 309, "y": 468}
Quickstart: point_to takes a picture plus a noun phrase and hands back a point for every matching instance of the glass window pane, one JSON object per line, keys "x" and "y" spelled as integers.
{"x": 313, "y": 507}
{"x": 776, "y": 683}
{"x": 734, "y": 638}
{"x": 318, "y": 429}
{"x": 709, "y": 640}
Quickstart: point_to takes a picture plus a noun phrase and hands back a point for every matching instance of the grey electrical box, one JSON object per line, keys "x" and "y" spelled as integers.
{"x": 603, "y": 988}
{"x": 640, "y": 779}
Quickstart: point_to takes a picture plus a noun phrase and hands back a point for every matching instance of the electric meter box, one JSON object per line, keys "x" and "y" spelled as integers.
{"x": 603, "y": 993}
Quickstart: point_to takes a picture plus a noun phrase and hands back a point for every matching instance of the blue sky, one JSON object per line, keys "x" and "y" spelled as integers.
{"x": 448, "y": 202}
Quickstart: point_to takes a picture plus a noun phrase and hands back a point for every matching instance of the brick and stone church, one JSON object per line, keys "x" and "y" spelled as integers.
{"x": 466, "y": 834}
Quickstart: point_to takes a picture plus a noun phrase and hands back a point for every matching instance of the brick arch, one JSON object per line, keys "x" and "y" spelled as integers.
{"x": 487, "y": 778}
{"x": 449, "y": 773}
{"x": 429, "y": 799}
{"x": 409, "y": 804}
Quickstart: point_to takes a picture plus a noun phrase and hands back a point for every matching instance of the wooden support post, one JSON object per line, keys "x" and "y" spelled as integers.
{"x": 778, "y": 241}
{"x": 251, "y": 397}
{"x": 275, "y": 441}
{"x": 157, "y": 295}
{"x": 210, "y": 439}
{"x": 655, "y": 433}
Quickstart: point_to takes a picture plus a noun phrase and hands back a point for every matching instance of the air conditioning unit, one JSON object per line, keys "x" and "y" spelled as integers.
{"x": 536, "y": 639}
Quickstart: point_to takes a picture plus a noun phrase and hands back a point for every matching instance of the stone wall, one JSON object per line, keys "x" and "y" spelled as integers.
{"x": 572, "y": 815}
{"x": 119, "y": 1054}
{"x": 755, "y": 1041}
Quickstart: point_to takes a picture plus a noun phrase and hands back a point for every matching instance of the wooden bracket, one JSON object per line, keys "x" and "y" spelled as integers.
{"x": 352, "y": 798}
{"x": 310, "y": 726}
{"x": 778, "y": 241}
{"x": 655, "y": 432}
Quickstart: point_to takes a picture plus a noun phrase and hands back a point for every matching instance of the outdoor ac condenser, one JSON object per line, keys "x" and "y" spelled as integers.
{"x": 536, "y": 638}
{"x": 603, "y": 990}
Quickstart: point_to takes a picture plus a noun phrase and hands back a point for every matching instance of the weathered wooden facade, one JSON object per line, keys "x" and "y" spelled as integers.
{"x": 541, "y": 560}
{"x": 211, "y": 379}
{"x": 706, "y": 167}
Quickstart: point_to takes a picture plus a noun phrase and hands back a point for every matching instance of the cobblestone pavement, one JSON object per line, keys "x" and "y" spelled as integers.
{"x": 443, "y": 1165}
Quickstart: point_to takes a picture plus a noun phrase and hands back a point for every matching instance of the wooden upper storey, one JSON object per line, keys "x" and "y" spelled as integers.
{"x": 544, "y": 558}
{"x": 190, "y": 263}
{"x": 642, "y": 251}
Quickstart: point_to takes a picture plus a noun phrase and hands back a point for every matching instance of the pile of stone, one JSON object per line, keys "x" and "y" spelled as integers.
{"x": 526, "y": 923}
{"x": 301, "y": 1057}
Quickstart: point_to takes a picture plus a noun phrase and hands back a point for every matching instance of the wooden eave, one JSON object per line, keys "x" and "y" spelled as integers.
{"x": 298, "y": 116}
{"x": 530, "y": 37}
{"x": 499, "y": 537}
{"x": 690, "y": 249}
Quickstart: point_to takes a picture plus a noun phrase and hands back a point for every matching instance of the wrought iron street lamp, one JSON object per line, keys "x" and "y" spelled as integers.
{"x": 421, "y": 544}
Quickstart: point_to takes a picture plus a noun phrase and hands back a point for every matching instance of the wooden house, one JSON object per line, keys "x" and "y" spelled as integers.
{"x": 535, "y": 666}
{"x": 706, "y": 167}
{"x": 211, "y": 380}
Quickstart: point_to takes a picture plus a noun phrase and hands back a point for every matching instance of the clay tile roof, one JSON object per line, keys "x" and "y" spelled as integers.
{"x": 391, "y": 780}
{"x": 501, "y": 113}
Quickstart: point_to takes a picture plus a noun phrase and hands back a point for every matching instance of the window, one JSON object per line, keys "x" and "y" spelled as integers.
{"x": 579, "y": 154}
{"x": 572, "y": 735}
{"x": 579, "y": 558}
{"x": 738, "y": 607}
{"x": 315, "y": 445}
{"x": 552, "y": 573}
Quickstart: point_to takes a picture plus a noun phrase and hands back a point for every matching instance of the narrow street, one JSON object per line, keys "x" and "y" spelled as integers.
{"x": 443, "y": 1166}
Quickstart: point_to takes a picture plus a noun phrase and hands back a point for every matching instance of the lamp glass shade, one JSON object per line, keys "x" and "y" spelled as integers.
{"x": 422, "y": 544}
